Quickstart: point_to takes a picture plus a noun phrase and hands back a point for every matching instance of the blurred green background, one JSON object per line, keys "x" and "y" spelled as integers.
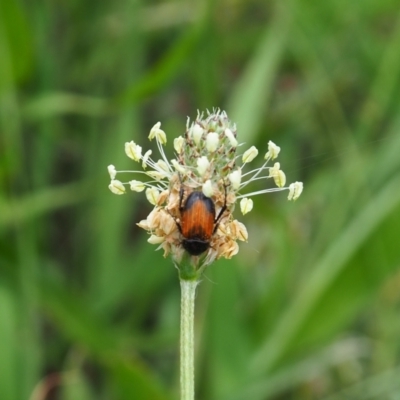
{"x": 309, "y": 309}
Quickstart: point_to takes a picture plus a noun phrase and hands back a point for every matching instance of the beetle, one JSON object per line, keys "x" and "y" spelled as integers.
{"x": 198, "y": 223}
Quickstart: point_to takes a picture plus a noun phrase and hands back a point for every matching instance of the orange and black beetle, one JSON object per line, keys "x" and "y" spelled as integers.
{"x": 198, "y": 222}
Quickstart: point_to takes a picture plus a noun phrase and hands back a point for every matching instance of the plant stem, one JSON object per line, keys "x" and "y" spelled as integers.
{"x": 188, "y": 291}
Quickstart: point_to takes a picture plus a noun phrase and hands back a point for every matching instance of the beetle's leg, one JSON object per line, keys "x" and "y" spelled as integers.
{"x": 179, "y": 227}
{"x": 176, "y": 222}
{"x": 181, "y": 193}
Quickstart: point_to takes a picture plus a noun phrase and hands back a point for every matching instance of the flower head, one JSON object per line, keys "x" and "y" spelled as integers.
{"x": 205, "y": 161}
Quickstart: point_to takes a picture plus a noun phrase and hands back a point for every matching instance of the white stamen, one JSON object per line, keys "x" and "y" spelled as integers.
{"x": 116, "y": 187}
{"x": 278, "y": 175}
{"x": 178, "y": 144}
{"x": 250, "y": 154}
{"x": 145, "y": 158}
{"x": 246, "y": 205}
{"x": 152, "y": 195}
{"x": 112, "y": 171}
{"x": 163, "y": 165}
{"x": 274, "y": 170}
{"x": 260, "y": 192}
{"x": 273, "y": 151}
{"x": 295, "y": 190}
{"x": 157, "y": 175}
{"x": 137, "y": 186}
{"x": 133, "y": 150}
{"x": 158, "y": 133}
{"x": 180, "y": 168}
{"x": 280, "y": 179}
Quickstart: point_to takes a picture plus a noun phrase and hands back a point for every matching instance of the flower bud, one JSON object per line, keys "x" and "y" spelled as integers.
{"x": 202, "y": 165}
{"x": 235, "y": 178}
{"x": 133, "y": 150}
{"x": 197, "y": 132}
{"x": 212, "y": 141}
{"x": 250, "y": 154}
{"x": 116, "y": 187}
{"x": 231, "y": 137}
{"x": 207, "y": 188}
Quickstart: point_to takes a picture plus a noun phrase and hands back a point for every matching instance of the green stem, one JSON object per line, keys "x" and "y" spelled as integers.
{"x": 188, "y": 291}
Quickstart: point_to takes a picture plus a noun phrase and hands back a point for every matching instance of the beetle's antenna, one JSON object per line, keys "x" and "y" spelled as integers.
{"x": 181, "y": 192}
{"x": 223, "y": 209}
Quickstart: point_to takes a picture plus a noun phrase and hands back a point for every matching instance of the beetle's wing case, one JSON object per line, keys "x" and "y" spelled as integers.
{"x": 197, "y": 217}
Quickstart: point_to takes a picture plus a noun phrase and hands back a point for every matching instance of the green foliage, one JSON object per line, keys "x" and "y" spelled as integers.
{"x": 309, "y": 309}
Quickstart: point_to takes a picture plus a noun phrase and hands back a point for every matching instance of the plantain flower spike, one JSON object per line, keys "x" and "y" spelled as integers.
{"x": 205, "y": 160}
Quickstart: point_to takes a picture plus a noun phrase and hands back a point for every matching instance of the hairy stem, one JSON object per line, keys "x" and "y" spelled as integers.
{"x": 188, "y": 291}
